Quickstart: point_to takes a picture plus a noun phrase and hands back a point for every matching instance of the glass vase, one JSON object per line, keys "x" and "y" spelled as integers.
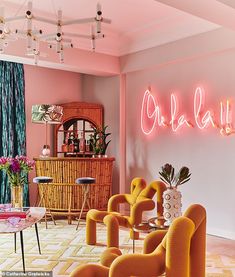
{"x": 17, "y": 196}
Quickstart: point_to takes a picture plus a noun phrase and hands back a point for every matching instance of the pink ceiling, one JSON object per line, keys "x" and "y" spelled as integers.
{"x": 136, "y": 24}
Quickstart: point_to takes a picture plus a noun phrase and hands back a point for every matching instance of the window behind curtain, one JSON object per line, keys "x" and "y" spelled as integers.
{"x": 12, "y": 120}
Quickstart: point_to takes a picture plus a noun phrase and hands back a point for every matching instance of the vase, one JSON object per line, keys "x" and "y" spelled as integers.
{"x": 171, "y": 205}
{"x": 17, "y": 196}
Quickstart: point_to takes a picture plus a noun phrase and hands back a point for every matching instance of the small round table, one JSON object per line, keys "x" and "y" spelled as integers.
{"x": 43, "y": 182}
{"x": 35, "y": 214}
{"x": 158, "y": 223}
{"x": 85, "y": 183}
{"x": 153, "y": 224}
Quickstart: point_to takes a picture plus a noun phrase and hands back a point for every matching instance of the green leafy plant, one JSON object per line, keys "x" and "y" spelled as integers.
{"x": 172, "y": 180}
{"x": 94, "y": 140}
{"x": 99, "y": 140}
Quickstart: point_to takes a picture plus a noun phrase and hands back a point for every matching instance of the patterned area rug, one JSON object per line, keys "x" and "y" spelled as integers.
{"x": 63, "y": 249}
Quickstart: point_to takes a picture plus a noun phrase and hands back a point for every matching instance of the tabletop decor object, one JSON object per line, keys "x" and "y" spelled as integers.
{"x": 171, "y": 196}
{"x": 16, "y": 170}
{"x": 13, "y": 221}
{"x": 47, "y": 114}
{"x": 14, "y": 212}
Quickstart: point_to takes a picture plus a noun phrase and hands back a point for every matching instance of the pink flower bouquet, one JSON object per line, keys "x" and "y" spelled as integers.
{"x": 16, "y": 169}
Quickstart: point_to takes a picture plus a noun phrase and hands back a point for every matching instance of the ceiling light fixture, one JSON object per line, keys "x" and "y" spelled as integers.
{"x": 58, "y": 40}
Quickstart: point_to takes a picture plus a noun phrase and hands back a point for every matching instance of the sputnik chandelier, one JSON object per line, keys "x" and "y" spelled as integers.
{"x": 58, "y": 40}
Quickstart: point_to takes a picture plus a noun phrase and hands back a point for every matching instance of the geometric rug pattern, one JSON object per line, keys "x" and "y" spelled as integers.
{"x": 63, "y": 249}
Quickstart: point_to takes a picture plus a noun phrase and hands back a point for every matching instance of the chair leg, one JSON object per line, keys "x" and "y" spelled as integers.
{"x": 112, "y": 230}
{"x": 90, "y": 230}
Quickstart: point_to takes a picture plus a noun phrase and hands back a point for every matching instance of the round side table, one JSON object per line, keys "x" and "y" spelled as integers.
{"x": 158, "y": 223}
{"x": 153, "y": 224}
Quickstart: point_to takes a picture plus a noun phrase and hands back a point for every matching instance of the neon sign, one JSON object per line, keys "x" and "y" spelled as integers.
{"x": 152, "y": 117}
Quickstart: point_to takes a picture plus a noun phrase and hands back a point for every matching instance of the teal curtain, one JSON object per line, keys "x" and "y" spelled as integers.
{"x": 12, "y": 121}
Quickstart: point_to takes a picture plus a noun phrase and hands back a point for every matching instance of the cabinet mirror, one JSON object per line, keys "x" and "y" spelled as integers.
{"x": 74, "y": 138}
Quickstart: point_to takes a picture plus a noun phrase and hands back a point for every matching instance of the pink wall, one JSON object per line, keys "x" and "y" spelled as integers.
{"x": 209, "y": 155}
{"x": 45, "y": 86}
{"x": 206, "y": 60}
{"x": 105, "y": 90}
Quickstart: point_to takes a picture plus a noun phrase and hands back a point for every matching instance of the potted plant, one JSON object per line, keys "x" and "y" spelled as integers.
{"x": 94, "y": 139}
{"x": 99, "y": 140}
{"x": 171, "y": 196}
{"x": 173, "y": 180}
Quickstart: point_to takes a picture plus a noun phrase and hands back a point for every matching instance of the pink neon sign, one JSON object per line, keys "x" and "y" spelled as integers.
{"x": 151, "y": 114}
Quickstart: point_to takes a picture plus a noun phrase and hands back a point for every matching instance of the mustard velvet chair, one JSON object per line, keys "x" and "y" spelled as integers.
{"x": 93, "y": 215}
{"x": 178, "y": 252}
{"x": 143, "y": 203}
{"x": 113, "y": 219}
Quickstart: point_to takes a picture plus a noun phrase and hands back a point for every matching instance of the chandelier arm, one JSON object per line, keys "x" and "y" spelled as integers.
{"x": 98, "y": 27}
{"x": 43, "y": 19}
{"x": 20, "y": 32}
{"x": 99, "y": 36}
{"x": 58, "y": 46}
{"x": 63, "y": 39}
{"x": 15, "y": 18}
{"x": 66, "y": 40}
{"x": 36, "y": 32}
{"x": 76, "y": 35}
{"x": 67, "y": 45}
{"x": 93, "y": 44}
{"x": 48, "y": 36}
{"x": 106, "y": 20}
{"x": 32, "y": 33}
{"x": 78, "y": 21}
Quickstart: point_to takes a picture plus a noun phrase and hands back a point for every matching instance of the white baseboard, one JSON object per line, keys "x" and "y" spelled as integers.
{"x": 221, "y": 233}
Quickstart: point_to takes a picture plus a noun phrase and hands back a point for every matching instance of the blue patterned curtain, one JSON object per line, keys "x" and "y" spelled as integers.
{"x": 12, "y": 120}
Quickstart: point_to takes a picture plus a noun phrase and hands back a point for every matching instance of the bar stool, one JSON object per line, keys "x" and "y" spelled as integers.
{"x": 43, "y": 182}
{"x": 85, "y": 183}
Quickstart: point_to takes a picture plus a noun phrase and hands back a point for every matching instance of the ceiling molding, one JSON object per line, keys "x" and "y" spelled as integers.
{"x": 222, "y": 15}
{"x": 229, "y": 3}
{"x": 76, "y": 60}
{"x": 207, "y": 44}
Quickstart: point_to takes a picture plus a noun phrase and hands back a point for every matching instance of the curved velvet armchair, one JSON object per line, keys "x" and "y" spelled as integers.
{"x": 140, "y": 200}
{"x": 179, "y": 252}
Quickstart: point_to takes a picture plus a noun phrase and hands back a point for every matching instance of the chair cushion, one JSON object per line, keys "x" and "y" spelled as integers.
{"x": 42, "y": 179}
{"x": 85, "y": 180}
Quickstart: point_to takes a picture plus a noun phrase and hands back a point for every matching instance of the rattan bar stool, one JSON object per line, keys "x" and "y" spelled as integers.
{"x": 85, "y": 183}
{"x": 43, "y": 182}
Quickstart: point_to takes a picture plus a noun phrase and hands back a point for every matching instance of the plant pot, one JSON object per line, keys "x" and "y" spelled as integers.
{"x": 171, "y": 205}
{"x": 17, "y": 196}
